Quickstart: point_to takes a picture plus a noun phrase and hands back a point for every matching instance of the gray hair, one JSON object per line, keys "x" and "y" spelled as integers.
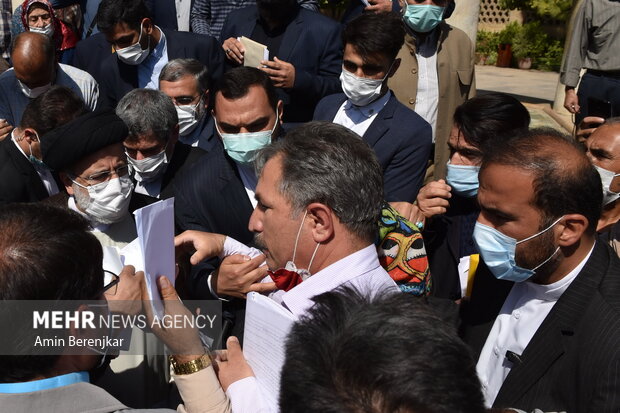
{"x": 148, "y": 110}
{"x": 178, "y": 68}
{"x": 327, "y": 163}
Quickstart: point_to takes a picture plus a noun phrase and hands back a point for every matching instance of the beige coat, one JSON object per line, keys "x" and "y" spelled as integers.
{"x": 455, "y": 72}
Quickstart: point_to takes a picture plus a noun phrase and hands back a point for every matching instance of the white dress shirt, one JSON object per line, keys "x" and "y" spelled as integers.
{"x": 44, "y": 173}
{"x": 250, "y": 180}
{"x": 150, "y": 188}
{"x": 524, "y": 310}
{"x": 183, "y": 8}
{"x": 359, "y": 118}
{"x": 428, "y": 82}
{"x": 360, "y": 270}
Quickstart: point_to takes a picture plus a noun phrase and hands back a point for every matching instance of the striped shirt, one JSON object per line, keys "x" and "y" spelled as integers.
{"x": 208, "y": 16}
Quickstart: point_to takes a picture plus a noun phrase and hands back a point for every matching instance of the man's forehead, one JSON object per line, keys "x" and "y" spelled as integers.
{"x": 270, "y": 177}
{"x": 185, "y": 85}
{"x": 119, "y": 30}
{"x": 607, "y": 138}
{"x": 145, "y": 140}
{"x": 505, "y": 184}
{"x": 101, "y": 159}
{"x": 244, "y": 110}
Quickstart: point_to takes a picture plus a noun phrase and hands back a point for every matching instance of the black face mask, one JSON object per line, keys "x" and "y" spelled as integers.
{"x": 278, "y": 11}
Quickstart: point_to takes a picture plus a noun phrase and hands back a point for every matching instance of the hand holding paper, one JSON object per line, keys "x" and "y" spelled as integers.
{"x": 254, "y": 52}
{"x": 234, "y": 50}
{"x": 282, "y": 73}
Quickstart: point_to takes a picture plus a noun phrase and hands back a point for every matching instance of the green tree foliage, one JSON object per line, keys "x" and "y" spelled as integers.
{"x": 556, "y": 9}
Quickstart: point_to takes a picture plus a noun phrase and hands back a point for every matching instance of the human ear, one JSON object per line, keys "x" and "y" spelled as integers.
{"x": 322, "y": 222}
{"x": 573, "y": 226}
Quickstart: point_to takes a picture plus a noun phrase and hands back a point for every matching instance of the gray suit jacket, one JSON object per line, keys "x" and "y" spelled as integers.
{"x": 74, "y": 398}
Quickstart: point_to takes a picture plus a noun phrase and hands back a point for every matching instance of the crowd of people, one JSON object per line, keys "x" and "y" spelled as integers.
{"x": 435, "y": 251}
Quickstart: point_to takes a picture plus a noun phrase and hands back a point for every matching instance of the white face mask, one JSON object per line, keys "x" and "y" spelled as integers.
{"x": 148, "y": 169}
{"x": 107, "y": 202}
{"x": 361, "y": 90}
{"x": 47, "y": 30}
{"x": 134, "y": 54}
{"x": 189, "y": 116}
{"x": 36, "y": 92}
{"x": 606, "y": 177}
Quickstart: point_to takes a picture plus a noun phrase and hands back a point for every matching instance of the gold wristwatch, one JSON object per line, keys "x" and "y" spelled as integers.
{"x": 191, "y": 366}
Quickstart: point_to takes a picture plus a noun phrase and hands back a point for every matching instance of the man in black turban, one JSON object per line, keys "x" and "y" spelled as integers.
{"x": 89, "y": 157}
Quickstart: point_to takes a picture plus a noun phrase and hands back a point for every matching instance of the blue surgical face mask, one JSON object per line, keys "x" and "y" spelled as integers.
{"x": 498, "y": 252}
{"x": 243, "y": 147}
{"x": 463, "y": 179}
{"x": 422, "y": 18}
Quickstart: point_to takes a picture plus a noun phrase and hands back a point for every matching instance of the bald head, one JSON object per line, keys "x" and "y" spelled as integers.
{"x": 33, "y": 59}
{"x": 564, "y": 180}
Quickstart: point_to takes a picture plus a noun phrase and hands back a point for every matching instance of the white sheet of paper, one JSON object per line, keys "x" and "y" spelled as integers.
{"x": 155, "y": 227}
{"x": 254, "y": 52}
{"x": 267, "y": 325}
{"x": 111, "y": 262}
{"x": 131, "y": 254}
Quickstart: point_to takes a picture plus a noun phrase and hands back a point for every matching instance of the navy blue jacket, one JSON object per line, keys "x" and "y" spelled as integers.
{"x": 401, "y": 140}
{"x": 164, "y": 13}
{"x": 312, "y": 44}
{"x": 118, "y": 78}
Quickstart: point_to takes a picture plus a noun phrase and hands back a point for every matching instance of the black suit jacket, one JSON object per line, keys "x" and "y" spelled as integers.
{"x": 311, "y": 43}
{"x": 442, "y": 239}
{"x": 90, "y": 54}
{"x": 401, "y": 140}
{"x": 572, "y": 362}
{"x": 118, "y": 78}
{"x": 19, "y": 181}
{"x": 164, "y": 13}
{"x": 183, "y": 157}
{"x": 210, "y": 196}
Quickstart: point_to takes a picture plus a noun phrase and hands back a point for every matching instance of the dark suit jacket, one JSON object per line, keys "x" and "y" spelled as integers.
{"x": 312, "y": 44}
{"x": 164, "y": 13}
{"x": 208, "y": 139}
{"x": 118, "y": 78}
{"x": 183, "y": 157}
{"x": 210, "y": 196}
{"x": 90, "y": 53}
{"x": 572, "y": 362}
{"x": 400, "y": 138}
{"x": 19, "y": 181}
{"x": 442, "y": 239}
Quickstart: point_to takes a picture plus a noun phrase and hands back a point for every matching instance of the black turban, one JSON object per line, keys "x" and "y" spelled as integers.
{"x": 66, "y": 145}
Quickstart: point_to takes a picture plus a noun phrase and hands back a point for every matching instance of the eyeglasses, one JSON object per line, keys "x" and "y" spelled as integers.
{"x": 184, "y": 100}
{"x": 105, "y": 175}
{"x": 110, "y": 283}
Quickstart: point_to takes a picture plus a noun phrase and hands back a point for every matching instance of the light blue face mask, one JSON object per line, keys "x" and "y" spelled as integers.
{"x": 498, "y": 252}
{"x": 463, "y": 179}
{"x": 243, "y": 147}
{"x": 422, "y": 18}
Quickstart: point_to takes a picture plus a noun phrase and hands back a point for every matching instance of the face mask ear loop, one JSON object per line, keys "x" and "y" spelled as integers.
{"x": 547, "y": 260}
{"x": 318, "y": 244}
{"x": 541, "y": 232}
{"x": 298, "y": 233}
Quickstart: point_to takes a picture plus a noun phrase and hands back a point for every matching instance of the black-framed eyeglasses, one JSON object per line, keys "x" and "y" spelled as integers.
{"x": 105, "y": 175}
{"x": 110, "y": 282}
